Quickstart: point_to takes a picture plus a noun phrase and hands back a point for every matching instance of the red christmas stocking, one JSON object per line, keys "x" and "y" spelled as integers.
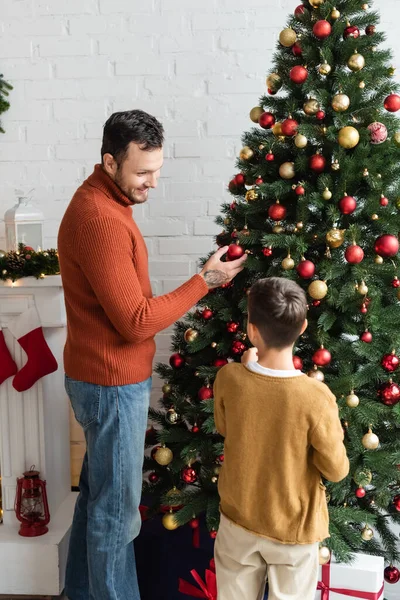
{"x": 28, "y": 331}
{"x": 7, "y": 364}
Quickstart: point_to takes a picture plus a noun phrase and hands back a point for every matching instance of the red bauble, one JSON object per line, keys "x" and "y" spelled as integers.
{"x": 316, "y": 302}
{"x": 364, "y": 309}
{"x": 305, "y": 269}
{"x": 239, "y": 179}
{"x": 347, "y": 205}
{"x": 226, "y": 285}
{"x": 233, "y": 206}
{"x": 189, "y": 475}
{"x": 317, "y": 163}
{"x": 194, "y": 523}
{"x": 277, "y": 212}
{"x": 271, "y": 92}
{"x": 392, "y": 574}
{"x": 297, "y": 49}
{"x": 299, "y": 10}
{"x": 360, "y": 492}
{"x": 238, "y": 347}
{"x": 354, "y": 254}
{"x": 234, "y": 251}
{"x": 177, "y": 361}
{"x": 297, "y": 362}
{"x": 205, "y": 393}
{"x": 221, "y": 458}
{"x": 322, "y": 29}
{"x": 232, "y": 187}
{"x": 396, "y": 282}
{"x": 213, "y": 534}
{"x": 383, "y": 201}
{"x": 322, "y": 357}
{"x": 370, "y": 29}
{"x": 392, "y": 103}
{"x": 267, "y": 120}
{"x": 366, "y": 337}
{"x": 207, "y": 314}
{"x": 232, "y": 326}
{"x": 351, "y": 31}
{"x": 298, "y": 74}
{"x": 234, "y": 234}
{"x": 389, "y": 393}
{"x": 195, "y": 429}
{"x": 289, "y": 127}
{"x": 386, "y": 245}
{"x": 153, "y": 477}
{"x": 320, "y": 115}
{"x": 259, "y": 181}
{"x": 219, "y": 362}
{"x": 267, "y": 251}
{"x": 269, "y": 157}
{"x": 390, "y": 362}
{"x": 396, "y": 502}
{"x": 300, "y": 191}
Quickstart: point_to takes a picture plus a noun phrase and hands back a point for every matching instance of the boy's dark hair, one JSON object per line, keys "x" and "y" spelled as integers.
{"x": 278, "y": 308}
{"x": 136, "y": 126}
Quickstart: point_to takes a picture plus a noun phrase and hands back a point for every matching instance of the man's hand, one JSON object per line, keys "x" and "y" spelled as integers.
{"x": 251, "y": 355}
{"x": 215, "y": 272}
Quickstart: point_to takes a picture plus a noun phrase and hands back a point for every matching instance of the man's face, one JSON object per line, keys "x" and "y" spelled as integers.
{"x": 138, "y": 171}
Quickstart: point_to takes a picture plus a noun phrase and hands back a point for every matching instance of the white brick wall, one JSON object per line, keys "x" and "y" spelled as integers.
{"x": 198, "y": 66}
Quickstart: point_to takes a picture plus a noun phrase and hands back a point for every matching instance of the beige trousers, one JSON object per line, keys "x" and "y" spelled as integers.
{"x": 243, "y": 560}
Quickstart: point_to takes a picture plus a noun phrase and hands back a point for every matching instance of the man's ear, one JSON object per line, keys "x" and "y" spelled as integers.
{"x": 109, "y": 164}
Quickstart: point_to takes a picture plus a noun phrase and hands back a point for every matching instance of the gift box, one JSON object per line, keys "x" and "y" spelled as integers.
{"x": 362, "y": 578}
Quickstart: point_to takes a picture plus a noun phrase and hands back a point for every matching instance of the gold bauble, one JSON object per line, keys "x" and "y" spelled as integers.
{"x": 274, "y": 82}
{"x": 335, "y": 14}
{"x": 365, "y": 6}
{"x": 277, "y": 129}
{"x": 246, "y": 153}
{"x": 335, "y": 165}
{"x": 356, "y": 62}
{"x": 370, "y": 440}
{"x": 311, "y": 106}
{"x": 316, "y": 374}
{"x": 363, "y": 477}
{"x": 2, "y": 253}
{"x": 365, "y": 172}
{"x": 251, "y": 195}
{"x": 163, "y": 456}
{"x": 190, "y": 335}
{"x": 256, "y": 113}
{"x": 286, "y": 170}
{"x": 169, "y": 522}
{"x": 348, "y": 137}
{"x": 318, "y": 289}
{"x": 324, "y": 555}
{"x": 166, "y": 388}
{"x": 325, "y": 69}
{"x": 391, "y": 71}
{"x": 327, "y": 194}
{"x": 288, "y": 263}
{"x": 362, "y": 289}
{"x": 367, "y": 534}
{"x": 374, "y": 217}
{"x": 352, "y": 400}
{"x": 174, "y": 497}
{"x": 316, "y": 3}
{"x": 335, "y": 237}
{"x": 287, "y": 37}
{"x": 361, "y": 85}
{"x": 378, "y": 260}
{"x": 300, "y": 141}
{"x": 227, "y": 221}
{"x": 277, "y": 229}
{"x": 340, "y": 102}
{"x": 214, "y": 344}
{"x": 396, "y": 138}
{"x": 300, "y": 225}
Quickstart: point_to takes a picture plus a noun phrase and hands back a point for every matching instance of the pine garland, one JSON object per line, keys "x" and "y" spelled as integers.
{"x": 25, "y": 262}
{"x": 4, "y": 92}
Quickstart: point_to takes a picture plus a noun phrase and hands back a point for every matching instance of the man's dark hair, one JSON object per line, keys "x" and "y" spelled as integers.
{"x": 278, "y": 308}
{"x": 136, "y": 126}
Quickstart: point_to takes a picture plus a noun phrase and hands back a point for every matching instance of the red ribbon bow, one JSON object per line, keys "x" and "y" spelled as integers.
{"x": 325, "y": 588}
{"x": 208, "y": 588}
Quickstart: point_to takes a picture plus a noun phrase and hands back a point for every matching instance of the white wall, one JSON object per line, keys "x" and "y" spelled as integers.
{"x": 197, "y": 65}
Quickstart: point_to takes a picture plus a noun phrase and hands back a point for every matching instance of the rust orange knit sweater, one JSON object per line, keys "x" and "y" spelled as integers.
{"x": 112, "y": 317}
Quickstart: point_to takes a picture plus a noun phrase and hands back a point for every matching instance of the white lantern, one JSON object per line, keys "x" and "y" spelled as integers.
{"x": 24, "y": 225}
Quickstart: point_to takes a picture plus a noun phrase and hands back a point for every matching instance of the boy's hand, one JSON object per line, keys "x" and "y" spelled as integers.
{"x": 251, "y": 355}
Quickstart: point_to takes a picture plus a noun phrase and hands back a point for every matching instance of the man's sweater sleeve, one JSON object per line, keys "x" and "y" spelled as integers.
{"x": 105, "y": 257}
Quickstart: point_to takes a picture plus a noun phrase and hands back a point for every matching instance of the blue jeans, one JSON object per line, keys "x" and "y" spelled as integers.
{"x": 101, "y": 561}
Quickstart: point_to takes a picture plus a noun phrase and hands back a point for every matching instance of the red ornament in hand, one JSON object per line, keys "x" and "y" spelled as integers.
{"x": 322, "y": 29}
{"x": 232, "y": 326}
{"x": 317, "y": 163}
{"x": 366, "y": 337}
{"x": 392, "y": 574}
{"x": 298, "y": 74}
{"x": 386, "y": 245}
{"x": 297, "y": 49}
{"x": 354, "y": 254}
{"x": 396, "y": 502}
{"x": 234, "y": 251}
{"x": 177, "y": 361}
{"x": 392, "y": 103}
{"x": 322, "y": 357}
{"x": 267, "y": 120}
{"x": 207, "y": 314}
{"x": 238, "y": 347}
{"x": 189, "y": 475}
{"x": 305, "y": 269}
{"x": 351, "y": 31}
{"x": 289, "y": 127}
{"x": 347, "y": 205}
{"x": 297, "y": 362}
{"x": 389, "y": 393}
{"x": 219, "y": 362}
{"x": 360, "y": 492}
{"x": 277, "y": 212}
{"x": 269, "y": 157}
{"x": 390, "y": 362}
{"x": 205, "y": 393}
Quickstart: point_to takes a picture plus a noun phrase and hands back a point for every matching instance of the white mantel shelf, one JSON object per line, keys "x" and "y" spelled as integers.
{"x": 34, "y": 429}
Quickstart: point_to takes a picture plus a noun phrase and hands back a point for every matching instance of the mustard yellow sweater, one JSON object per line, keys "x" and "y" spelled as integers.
{"x": 281, "y": 435}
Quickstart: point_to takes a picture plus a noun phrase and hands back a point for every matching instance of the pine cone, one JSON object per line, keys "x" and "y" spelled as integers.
{"x": 15, "y": 262}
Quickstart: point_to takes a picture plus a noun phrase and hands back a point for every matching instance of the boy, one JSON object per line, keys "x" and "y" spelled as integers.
{"x": 282, "y": 433}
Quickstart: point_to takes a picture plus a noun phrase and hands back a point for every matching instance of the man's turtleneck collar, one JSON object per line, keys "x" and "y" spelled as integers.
{"x": 100, "y": 180}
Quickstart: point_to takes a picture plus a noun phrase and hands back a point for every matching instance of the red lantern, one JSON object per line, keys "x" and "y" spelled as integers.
{"x": 277, "y": 212}
{"x": 386, "y": 245}
{"x": 219, "y": 362}
{"x": 347, "y": 205}
{"x": 366, "y": 337}
{"x": 297, "y": 49}
{"x": 389, "y": 393}
{"x": 317, "y": 163}
{"x": 205, "y": 393}
{"x": 305, "y": 269}
{"x": 390, "y": 362}
{"x": 322, "y": 29}
{"x": 267, "y": 120}
{"x": 289, "y": 127}
{"x": 232, "y": 327}
{"x": 392, "y": 574}
{"x": 189, "y": 475}
{"x": 177, "y": 361}
{"x": 234, "y": 251}
{"x": 31, "y": 507}
{"x": 354, "y": 254}
{"x": 351, "y": 31}
{"x": 297, "y": 362}
{"x": 298, "y": 74}
{"x": 392, "y": 103}
{"x": 322, "y": 357}
{"x": 299, "y": 10}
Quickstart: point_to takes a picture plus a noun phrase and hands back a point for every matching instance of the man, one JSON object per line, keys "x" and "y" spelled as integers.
{"x": 112, "y": 319}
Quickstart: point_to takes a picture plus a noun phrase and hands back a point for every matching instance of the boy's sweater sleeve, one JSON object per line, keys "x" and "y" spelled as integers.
{"x": 219, "y": 409}
{"x": 330, "y": 456}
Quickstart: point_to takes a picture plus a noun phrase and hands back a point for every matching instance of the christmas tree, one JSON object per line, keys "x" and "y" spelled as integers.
{"x": 4, "y": 92}
{"x": 316, "y": 199}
